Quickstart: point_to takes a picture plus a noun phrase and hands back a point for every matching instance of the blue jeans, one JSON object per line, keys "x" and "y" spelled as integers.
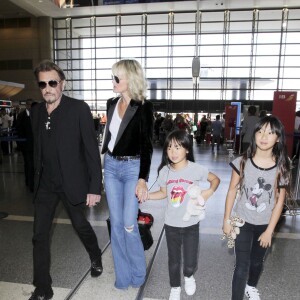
{"x": 249, "y": 258}
{"x": 187, "y": 239}
{"x": 120, "y": 179}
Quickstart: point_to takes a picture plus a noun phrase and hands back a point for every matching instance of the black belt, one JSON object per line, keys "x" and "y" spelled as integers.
{"x": 123, "y": 158}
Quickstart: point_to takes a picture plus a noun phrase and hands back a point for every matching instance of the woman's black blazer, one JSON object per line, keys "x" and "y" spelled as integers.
{"x": 135, "y": 133}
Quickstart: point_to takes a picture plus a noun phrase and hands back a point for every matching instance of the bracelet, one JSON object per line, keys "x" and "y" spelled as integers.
{"x": 228, "y": 221}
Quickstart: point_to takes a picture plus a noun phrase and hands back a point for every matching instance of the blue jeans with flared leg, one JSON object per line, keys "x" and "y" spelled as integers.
{"x": 249, "y": 258}
{"x": 120, "y": 179}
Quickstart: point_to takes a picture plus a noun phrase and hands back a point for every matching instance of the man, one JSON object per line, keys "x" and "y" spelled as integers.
{"x": 67, "y": 168}
{"x": 15, "y": 115}
{"x": 216, "y": 127}
{"x": 24, "y": 131}
{"x": 248, "y": 127}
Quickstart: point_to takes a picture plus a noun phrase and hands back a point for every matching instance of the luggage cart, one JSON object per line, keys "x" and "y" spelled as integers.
{"x": 230, "y": 143}
{"x": 291, "y": 205}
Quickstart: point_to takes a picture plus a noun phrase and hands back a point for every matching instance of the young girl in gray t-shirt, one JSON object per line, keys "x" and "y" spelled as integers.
{"x": 262, "y": 178}
{"x": 177, "y": 174}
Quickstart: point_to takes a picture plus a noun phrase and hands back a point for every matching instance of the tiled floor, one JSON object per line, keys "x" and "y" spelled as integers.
{"x": 70, "y": 263}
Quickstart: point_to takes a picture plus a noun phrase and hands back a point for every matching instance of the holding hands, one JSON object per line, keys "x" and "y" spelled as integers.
{"x": 141, "y": 190}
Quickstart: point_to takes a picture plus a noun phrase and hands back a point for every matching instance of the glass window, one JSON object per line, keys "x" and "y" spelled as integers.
{"x": 264, "y": 53}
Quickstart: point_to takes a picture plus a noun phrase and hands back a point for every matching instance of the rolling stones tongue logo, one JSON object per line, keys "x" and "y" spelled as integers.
{"x": 177, "y": 196}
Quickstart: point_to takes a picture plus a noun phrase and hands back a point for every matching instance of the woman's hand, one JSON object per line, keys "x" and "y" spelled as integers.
{"x": 141, "y": 190}
{"x": 265, "y": 239}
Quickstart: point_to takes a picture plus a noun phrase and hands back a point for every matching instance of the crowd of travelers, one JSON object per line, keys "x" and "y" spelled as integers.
{"x": 205, "y": 130}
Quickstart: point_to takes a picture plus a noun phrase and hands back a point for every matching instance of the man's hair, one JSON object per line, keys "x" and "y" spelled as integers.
{"x": 252, "y": 110}
{"x": 46, "y": 66}
{"x": 28, "y": 101}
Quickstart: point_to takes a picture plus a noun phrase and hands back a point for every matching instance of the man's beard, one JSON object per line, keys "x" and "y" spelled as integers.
{"x": 50, "y": 101}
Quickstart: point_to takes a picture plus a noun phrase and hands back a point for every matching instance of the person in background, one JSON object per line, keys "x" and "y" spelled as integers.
{"x": 157, "y": 126}
{"x": 176, "y": 174}
{"x": 127, "y": 145}
{"x": 181, "y": 123}
{"x": 216, "y": 127}
{"x": 103, "y": 121}
{"x": 6, "y": 125}
{"x": 96, "y": 119}
{"x": 67, "y": 169}
{"x": 297, "y": 121}
{"x": 260, "y": 181}
{"x": 208, "y": 130}
{"x": 223, "y": 121}
{"x": 262, "y": 114}
{"x": 296, "y": 145}
{"x": 24, "y": 131}
{"x": 203, "y": 127}
{"x": 248, "y": 127}
{"x": 168, "y": 124}
{"x": 16, "y": 113}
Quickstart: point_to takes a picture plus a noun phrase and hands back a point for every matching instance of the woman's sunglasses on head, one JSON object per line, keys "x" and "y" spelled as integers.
{"x": 115, "y": 78}
{"x": 51, "y": 83}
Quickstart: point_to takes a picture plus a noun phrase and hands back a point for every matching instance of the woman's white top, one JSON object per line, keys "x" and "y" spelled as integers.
{"x": 114, "y": 128}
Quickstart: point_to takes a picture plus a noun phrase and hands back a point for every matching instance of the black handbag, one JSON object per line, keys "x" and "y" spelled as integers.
{"x": 145, "y": 221}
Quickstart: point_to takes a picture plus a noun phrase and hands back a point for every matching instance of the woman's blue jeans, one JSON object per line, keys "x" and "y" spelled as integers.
{"x": 180, "y": 239}
{"x": 120, "y": 179}
{"x": 249, "y": 258}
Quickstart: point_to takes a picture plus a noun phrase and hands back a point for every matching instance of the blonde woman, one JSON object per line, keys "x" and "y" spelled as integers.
{"x": 127, "y": 146}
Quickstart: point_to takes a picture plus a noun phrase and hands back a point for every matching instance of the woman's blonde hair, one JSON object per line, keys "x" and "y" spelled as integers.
{"x": 133, "y": 72}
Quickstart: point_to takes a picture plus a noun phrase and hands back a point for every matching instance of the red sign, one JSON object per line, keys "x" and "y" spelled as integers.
{"x": 230, "y": 121}
{"x": 284, "y": 107}
{"x": 5, "y": 103}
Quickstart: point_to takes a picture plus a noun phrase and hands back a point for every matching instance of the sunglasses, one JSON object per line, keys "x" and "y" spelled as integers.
{"x": 51, "y": 83}
{"x": 115, "y": 78}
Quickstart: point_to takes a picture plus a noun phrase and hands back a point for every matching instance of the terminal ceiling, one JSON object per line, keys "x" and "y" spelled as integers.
{"x": 39, "y": 8}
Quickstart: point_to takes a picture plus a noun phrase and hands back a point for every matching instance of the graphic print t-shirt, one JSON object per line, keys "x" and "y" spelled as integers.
{"x": 256, "y": 200}
{"x": 177, "y": 183}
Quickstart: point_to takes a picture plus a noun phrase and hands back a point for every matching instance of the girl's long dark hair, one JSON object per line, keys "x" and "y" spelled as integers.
{"x": 279, "y": 152}
{"x": 182, "y": 138}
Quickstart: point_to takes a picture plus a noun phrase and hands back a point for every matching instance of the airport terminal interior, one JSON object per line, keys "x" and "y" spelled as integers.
{"x": 70, "y": 264}
{"x": 247, "y": 50}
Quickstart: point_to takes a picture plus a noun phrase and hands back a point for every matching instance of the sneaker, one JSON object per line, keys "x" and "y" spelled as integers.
{"x": 190, "y": 285}
{"x": 175, "y": 293}
{"x": 252, "y": 293}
